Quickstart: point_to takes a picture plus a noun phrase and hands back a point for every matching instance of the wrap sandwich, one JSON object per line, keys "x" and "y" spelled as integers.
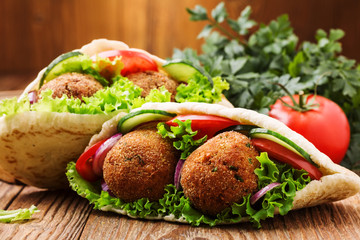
{"x": 200, "y": 163}
{"x": 52, "y": 122}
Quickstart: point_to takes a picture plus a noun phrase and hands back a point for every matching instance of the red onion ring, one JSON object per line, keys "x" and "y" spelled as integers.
{"x": 106, "y": 188}
{"x": 262, "y": 192}
{"x": 32, "y": 97}
{"x": 178, "y": 168}
{"x": 100, "y": 154}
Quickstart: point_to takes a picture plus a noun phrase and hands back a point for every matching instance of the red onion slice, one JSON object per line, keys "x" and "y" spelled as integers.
{"x": 178, "y": 168}
{"x": 32, "y": 97}
{"x": 106, "y": 188}
{"x": 262, "y": 192}
{"x": 100, "y": 154}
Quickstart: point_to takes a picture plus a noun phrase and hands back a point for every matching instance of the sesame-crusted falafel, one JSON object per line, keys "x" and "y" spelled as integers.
{"x": 74, "y": 84}
{"x": 149, "y": 80}
{"x": 220, "y": 172}
{"x": 140, "y": 165}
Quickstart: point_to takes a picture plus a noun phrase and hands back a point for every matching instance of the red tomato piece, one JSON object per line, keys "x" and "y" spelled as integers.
{"x": 326, "y": 126}
{"x": 284, "y": 155}
{"x": 84, "y": 163}
{"x": 204, "y": 124}
{"x": 134, "y": 61}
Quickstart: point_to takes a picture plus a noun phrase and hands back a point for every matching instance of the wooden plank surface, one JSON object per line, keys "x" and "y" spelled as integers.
{"x": 10, "y": 94}
{"x": 64, "y": 215}
{"x": 33, "y": 32}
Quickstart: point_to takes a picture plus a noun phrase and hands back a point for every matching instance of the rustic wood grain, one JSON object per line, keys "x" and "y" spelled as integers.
{"x": 339, "y": 220}
{"x": 10, "y": 94}
{"x": 64, "y": 215}
{"x": 33, "y": 32}
{"x": 15, "y": 81}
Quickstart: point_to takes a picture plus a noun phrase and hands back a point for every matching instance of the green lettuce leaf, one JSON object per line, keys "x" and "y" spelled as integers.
{"x": 155, "y": 95}
{"x": 185, "y": 142}
{"x": 122, "y": 95}
{"x": 119, "y": 96}
{"x": 10, "y": 106}
{"x": 281, "y": 197}
{"x": 107, "y": 67}
{"x": 175, "y": 204}
{"x": 10, "y": 216}
{"x": 199, "y": 89}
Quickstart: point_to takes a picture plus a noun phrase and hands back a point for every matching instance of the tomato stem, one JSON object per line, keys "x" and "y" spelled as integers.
{"x": 303, "y": 105}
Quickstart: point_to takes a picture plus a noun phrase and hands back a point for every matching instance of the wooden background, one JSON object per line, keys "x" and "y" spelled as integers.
{"x": 33, "y": 32}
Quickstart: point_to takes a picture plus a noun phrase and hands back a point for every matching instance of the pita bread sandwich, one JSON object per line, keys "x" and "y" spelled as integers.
{"x": 52, "y": 122}
{"x": 200, "y": 163}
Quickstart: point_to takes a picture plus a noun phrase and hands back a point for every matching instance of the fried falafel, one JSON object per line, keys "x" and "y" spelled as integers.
{"x": 140, "y": 165}
{"x": 74, "y": 84}
{"x": 220, "y": 172}
{"x": 149, "y": 80}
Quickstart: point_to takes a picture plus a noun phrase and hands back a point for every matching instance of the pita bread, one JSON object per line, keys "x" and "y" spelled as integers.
{"x": 36, "y": 146}
{"x": 336, "y": 184}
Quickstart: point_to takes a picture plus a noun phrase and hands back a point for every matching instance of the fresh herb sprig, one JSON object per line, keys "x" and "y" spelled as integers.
{"x": 255, "y": 58}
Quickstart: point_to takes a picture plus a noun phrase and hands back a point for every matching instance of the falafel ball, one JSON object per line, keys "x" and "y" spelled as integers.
{"x": 140, "y": 165}
{"x": 149, "y": 80}
{"x": 74, "y": 84}
{"x": 220, "y": 172}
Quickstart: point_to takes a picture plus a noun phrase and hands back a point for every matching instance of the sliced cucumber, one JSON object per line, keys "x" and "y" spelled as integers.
{"x": 280, "y": 139}
{"x": 56, "y": 67}
{"x": 134, "y": 119}
{"x": 180, "y": 70}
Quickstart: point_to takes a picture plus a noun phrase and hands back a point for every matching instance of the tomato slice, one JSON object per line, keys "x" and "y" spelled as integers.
{"x": 84, "y": 163}
{"x": 285, "y": 155}
{"x": 134, "y": 61}
{"x": 204, "y": 124}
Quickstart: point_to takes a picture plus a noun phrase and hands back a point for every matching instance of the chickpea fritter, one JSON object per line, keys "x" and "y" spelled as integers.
{"x": 140, "y": 165}
{"x": 75, "y": 85}
{"x": 149, "y": 80}
{"x": 220, "y": 172}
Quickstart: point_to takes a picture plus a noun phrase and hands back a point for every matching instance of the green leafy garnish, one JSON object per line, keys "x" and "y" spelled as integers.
{"x": 253, "y": 62}
{"x": 123, "y": 95}
{"x": 175, "y": 204}
{"x": 199, "y": 89}
{"x": 185, "y": 142}
{"x": 281, "y": 197}
{"x": 10, "y": 216}
{"x": 11, "y": 106}
{"x": 155, "y": 95}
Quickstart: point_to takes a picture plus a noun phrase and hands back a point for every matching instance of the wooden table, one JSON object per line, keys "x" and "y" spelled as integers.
{"x": 64, "y": 215}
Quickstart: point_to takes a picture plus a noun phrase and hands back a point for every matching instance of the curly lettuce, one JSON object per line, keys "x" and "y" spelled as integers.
{"x": 11, "y": 216}
{"x": 185, "y": 142}
{"x": 200, "y": 89}
{"x": 174, "y": 203}
{"x": 122, "y": 95}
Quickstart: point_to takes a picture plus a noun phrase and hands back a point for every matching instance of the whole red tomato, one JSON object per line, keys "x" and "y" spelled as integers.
{"x": 325, "y": 124}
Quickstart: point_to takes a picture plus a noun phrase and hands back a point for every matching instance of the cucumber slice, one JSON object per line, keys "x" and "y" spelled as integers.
{"x": 180, "y": 70}
{"x": 280, "y": 139}
{"x": 134, "y": 119}
{"x": 56, "y": 67}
